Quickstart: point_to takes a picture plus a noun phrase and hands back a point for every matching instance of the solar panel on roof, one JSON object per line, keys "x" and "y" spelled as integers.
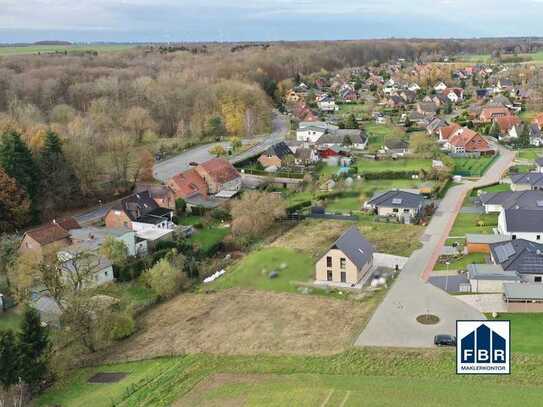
{"x": 505, "y": 251}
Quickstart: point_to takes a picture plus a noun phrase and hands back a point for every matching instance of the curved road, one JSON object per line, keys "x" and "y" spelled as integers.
{"x": 166, "y": 169}
{"x": 394, "y": 322}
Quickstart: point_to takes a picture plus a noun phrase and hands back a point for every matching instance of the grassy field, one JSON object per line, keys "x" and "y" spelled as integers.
{"x": 206, "y": 238}
{"x": 462, "y": 263}
{"x": 253, "y": 270}
{"x": 525, "y": 332}
{"x": 379, "y": 132}
{"x": 404, "y": 164}
{"x": 35, "y": 49}
{"x": 131, "y": 293}
{"x": 529, "y": 153}
{"x": 472, "y": 166}
{"x": 10, "y": 320}
{"x": 369, "y": 377}
{"x": 492, "y": 188}
{"x": 468, "y": 223}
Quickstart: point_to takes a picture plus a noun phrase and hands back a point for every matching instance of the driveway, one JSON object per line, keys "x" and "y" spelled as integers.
{"x": 394, "y": 322}
{"x": 166, "y": 169}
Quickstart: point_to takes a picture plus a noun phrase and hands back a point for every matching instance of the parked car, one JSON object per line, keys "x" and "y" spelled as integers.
{"x": 445, "y": 340}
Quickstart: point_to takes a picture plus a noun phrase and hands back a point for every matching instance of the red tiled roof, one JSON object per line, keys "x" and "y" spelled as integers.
{"x": 463, "y": 136}
{"x": 506, "y": 123}
{"x": 488, "y": 112}
{"x": 48, "y": 233}
{"x": 219, "y": 169}
{"x": 188, "y": 183}
{"x": 445, "y": 132}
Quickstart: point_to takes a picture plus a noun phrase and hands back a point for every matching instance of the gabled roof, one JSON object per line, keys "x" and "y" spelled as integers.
{"x": 68, "y": 223}
{"x": 524, "y": 220}
{"x": 355, "y": 247}
{"x": 447, "y": 131}
{"x": 281, "y": 150}
{"x": 519, "y": 255}
{"x": 188, "y": 183}
{"x": 356, "y": 136}
{"x": 514, "y": 199}
{"x": 397, "y": 199}
{"x": 49, "y": 233}
{"x": 138, "y": 205}
{"x": 506, "y": 123}
{"x": 529, "y": 178}
{"x": 219, "y": 169}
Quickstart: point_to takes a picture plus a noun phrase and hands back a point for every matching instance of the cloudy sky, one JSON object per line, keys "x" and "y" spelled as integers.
{"x": 241, "y": 20}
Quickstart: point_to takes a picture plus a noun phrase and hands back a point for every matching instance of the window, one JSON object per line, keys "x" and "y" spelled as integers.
{"x": 328, "y": 261}
{"x": 514, "y": 237}
{"x": 537, "y": 279}
{"x": 538, "y": 237}
{"x": 329, "y": 275}
{"x": 395, "y": 210}
{"x": 343, "y": 277}
{"x": 342, "y": 263}
{"x": 406, "y": 211}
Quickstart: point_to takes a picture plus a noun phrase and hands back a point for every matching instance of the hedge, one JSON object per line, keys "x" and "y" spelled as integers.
{"x": 389, "y": 175}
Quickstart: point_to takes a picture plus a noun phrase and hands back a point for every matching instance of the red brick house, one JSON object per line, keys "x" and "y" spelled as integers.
{"x": 48, "y": 239}
{"x": 188, "y": 183}
{"x": 465, "y": 140}
{"x": 219, "y": 175}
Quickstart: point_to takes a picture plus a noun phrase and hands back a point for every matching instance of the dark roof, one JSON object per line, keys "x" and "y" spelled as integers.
{"x": 519, "y": 255}
{"x": 524, "y": 220}
{"x": 397, "y": 199}
{"x": 356, "y": 136}
{"x": 355, "y": 247}
{"x": 514, "y": 199}
{"x": 530, "y": 178}
{"x": 281, "y": 150}
{"x": 68, "y": 223}
{"x": 539, "y": 160}
{"x": 140, "y": 207}
{"x": 396, "y": 144}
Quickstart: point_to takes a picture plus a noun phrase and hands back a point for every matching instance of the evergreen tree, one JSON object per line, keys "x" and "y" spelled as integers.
{"x": 16, "y": 160}
{"x": 9, "y": 372}
{"x": 524, "y": 137}
{"x": 494, "y": 130}
{"x": 60, "y": 187}
{"x": 33, "y": 349}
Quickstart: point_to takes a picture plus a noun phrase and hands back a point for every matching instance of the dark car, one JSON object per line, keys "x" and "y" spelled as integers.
{"x": 193, "y": 163}
{"x": 445, "y": 340}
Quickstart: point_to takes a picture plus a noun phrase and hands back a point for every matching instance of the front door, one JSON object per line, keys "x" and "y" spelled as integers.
{"x": 343, "y": 277}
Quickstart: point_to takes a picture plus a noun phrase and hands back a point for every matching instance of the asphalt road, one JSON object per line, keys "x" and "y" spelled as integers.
{"x": 394, "y": 322}
{"x": 166, "y": 169}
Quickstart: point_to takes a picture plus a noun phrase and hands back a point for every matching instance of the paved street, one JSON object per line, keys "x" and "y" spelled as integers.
{"x": 394, "y": 322}
{"x": 166, "y": 169}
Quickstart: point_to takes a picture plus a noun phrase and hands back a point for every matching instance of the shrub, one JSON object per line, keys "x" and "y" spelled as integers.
{"x": 180, "y": 206}
{"x": 121, "y": 325}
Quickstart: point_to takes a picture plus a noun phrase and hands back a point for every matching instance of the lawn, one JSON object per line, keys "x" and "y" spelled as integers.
{"x": 404, "y": 164}
{"x": 525, "y": 332}
{"x": 35, "y": 49}
{"x": 462, "y": 263}
{"x": 345, "y": 204}
{"x": 379, "y": 132}
{"x": 491, "y": 188}
{"x": 468, "y": 223}
{"x": 190, "y": 220}
{"x": 529, "y": 153}
{"x": 10, "y": 320}
{"x": 130, "y": 293}
{"x": 206, "y": 238}
{"x": 369, "y": 377}
{"x": 252, "y": 271}
{"x": 472, "y": 166}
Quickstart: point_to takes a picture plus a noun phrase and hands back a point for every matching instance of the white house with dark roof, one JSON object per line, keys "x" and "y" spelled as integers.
{"x": 527, "y": 181}
{"x": 521, "y": 256}
{"x": 347, "y": 261}
{"x": 521, "y": 224}
{"x": 495, "y": 202}
{"x": 405, "y": 206}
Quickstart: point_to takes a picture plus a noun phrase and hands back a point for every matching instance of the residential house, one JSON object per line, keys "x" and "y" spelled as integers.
{"x": 440, "y": 87}
{"x": 310, "y": 132}
{"x": 92, "y": 238}
{"x": 465, "y": 140}
{"x": 140, "y": 213}
{"x": 455, "y": 95}
{"x": 489, "y": 278}
{"x": 396, "y": 147}
{"x": 76, "y": 259}
{"x": 440, "y": 100}
{"x": 348, "y": 261}
{"x": 536, "y": 137}
{"x": 505, "y": 85}
{"x": 539, "y": 164}
{"x": 275, "y": 155}
{"x": 403, "y": 205}
{"x": 538, "y": 120}
{"x": 395, "y": 102}
{"x": 163, "y": 195}
{"x": 326, "y": 103}
{"x": 306, "y": 156}
{"x": 495, "y": 202}
{"x": 426, "y": 108}
{"x": 293, "y": 97}
{"x": 188, "y": 183}
{"x": 527, "y": 181}
{"x": 413, "y": 87}
{"x": 522, "y": 223}
{"x": 506, "y": 125}
{"x": 354, "y": 138}
{"x": 408, "y": 96}
{"x": 49, "y": 238}
{"x": 489, "y": 114}
{"x": 446, "y": 132}
{"x": 483, "y": 93}
{"x": 499, "y": 101}
{"x": 435, "y": 125}
{"x": 522, "y": 256}
{"x": 219, "y": 175}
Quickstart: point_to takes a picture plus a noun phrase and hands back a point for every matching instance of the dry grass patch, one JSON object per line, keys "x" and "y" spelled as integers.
{"x": 236, "y": 321}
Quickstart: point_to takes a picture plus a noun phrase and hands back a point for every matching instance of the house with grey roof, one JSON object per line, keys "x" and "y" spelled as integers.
{"x": 521, "y": 224}
{"x": 531, "y": 294}
{"x": 539, "y": 164}
{"x": 521, "y": 256}
{"x": 347, "y": 261}
{"x": 403, "y": 205}
{"x": 489, "y": 278}
{"x": 355, "y": 138}
{"x": 527, "y": 181}
{"x": 495, "y": 202}
{"x": 310, "y": 132}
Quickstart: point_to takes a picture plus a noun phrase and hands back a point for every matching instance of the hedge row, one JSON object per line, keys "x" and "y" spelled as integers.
{"x": 389, "y": 175}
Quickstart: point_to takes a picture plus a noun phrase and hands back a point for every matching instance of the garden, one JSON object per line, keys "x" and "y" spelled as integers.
{"x": 472, "y": 167}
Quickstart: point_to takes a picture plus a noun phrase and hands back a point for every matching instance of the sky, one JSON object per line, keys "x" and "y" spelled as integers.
{"x": 264, "y": 20}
